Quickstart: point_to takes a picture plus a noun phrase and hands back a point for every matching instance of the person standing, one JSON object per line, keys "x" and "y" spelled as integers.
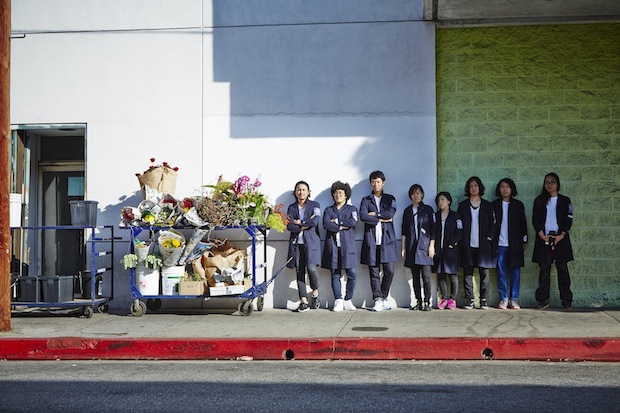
{"x": 449, "y": 233}
{"x": 552, "y": 218}
{"x": 477, "y": 246}
{"x": 510, "y": 239}
{"x": 305, "y": 244}
{"x": 379, "y": 247}
{"x": 339, "y": 253}
{"x": 418, "y": 245}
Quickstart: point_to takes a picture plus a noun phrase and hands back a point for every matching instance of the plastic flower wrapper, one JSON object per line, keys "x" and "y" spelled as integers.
{"x": 142, "y": 249}
{"x": 199, "y": 250}
{"x": 130, "y": 215}
{"x": 168, "y": 212}
{"x": 191, "y": 244}
{"x": 194, "y": 219}
{"x": 171, "y": 244}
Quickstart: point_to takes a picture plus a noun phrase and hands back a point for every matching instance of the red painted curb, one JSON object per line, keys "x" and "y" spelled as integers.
{"x": 77, "y": 348}
{"x": 578, "y": 349}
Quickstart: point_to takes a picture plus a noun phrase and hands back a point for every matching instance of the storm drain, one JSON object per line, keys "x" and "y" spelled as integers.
{"x": 369, "y": 328}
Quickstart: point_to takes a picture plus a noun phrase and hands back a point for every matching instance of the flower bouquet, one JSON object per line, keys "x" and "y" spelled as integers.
{"x": 160, "y": 178}
{"x": 171, "y": 246}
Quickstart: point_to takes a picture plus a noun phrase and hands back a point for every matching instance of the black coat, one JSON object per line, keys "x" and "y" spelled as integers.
{"x": 347, "y": 217}
{"x": 487, "y": 222}
{"x": 312, "y": 239}
{"x": 517, "y": 231}
{"x": 564, "y": 215}
{"x": 447, "y": 258}
{"x": 416, "y": 246}
{"x": 389, "y": 246}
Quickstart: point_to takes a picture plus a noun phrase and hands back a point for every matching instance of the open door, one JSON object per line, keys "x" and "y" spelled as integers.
{"x": 55, "y": 159}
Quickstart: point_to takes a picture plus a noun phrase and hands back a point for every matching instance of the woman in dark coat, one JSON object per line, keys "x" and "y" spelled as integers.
{"x": 449, "y": 233}
{"x": 510, "y": 238}
{"x": 305, "y": 243}
{"x": 340, "y": 253}
{"x": 418, "y": 245}
{"x": 477, "y": 246}
{"x": 552, "y": 218}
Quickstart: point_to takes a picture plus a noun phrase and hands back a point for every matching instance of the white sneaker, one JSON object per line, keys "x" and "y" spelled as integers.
{"x": 348, "y": 305}
{"x": 378, "y": 305}
{"x": 338, "y": 305}
{"x": 386, "y": 306}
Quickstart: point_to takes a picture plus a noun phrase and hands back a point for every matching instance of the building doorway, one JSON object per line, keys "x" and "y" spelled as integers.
{"x": 49, "y": 163}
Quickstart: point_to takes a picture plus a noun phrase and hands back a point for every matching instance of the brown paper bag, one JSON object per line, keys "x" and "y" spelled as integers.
{"x": 161, "y": 179}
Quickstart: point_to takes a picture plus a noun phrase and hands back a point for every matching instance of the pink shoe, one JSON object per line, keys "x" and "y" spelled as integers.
{"x": 451, "y": 304}
{"x": 442, "y": 304}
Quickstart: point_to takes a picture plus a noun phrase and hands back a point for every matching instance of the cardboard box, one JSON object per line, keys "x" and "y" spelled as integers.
{"x": 191, "y": 287}
{"x": 231, "y": 289}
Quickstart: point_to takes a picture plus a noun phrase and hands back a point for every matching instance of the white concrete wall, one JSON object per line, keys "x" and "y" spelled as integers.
{"x": 284, "y": 90}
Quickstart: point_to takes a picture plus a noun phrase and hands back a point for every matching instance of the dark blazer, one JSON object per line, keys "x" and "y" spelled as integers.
{"x": 564, "y": 214}
{"x": 347, "y": 217}
{"x": 416, "y": 246}
{"x": 487, "y": 222}
{"x": 447, "y": 258}
{"x": 517, "y": 231}
{"x": 312, "y": 239}
{"x": 389, "y": 247}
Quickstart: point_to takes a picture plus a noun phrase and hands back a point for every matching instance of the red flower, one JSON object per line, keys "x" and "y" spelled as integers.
{"x": 152, "y": 159}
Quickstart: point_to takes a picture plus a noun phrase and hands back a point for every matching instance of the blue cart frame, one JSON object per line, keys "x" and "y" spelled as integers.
{"x": 153, "y": 302}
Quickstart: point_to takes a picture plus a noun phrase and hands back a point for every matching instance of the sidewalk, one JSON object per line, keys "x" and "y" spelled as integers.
{"x": 275, "y": 334}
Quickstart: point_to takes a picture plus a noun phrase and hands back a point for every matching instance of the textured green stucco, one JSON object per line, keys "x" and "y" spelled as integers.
{"x": 521, "y": 101}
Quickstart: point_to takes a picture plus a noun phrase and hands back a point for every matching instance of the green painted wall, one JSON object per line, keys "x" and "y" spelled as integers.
{"x": 522, "y": 101}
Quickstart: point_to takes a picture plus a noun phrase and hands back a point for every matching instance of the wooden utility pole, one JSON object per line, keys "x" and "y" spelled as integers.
{"x": 5, "y": 136}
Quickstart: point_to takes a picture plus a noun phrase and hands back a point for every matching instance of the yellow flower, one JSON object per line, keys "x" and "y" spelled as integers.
{"x": 171, "y": 243}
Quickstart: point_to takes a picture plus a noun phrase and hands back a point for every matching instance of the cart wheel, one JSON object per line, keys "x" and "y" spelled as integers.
{"x": 103, "y": 308}
{"x": 138, "y": 310}
{"x": 153, "y": 304}
{"x": 260, "y": 303}
{"x": 246, "y": 308}
{"x": 88, "y": 312}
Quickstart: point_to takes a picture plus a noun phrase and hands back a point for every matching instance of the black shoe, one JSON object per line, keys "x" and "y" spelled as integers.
{"x": 315, "y": 303}
{"x": 567, "y": 305}
{"x": 542, "y": 305}
{"x": 418, "y": 306}
{"x": 470, "y": 306}
{"x": 484, "y": 305}
{"x": 426, "y": 307}
{"x": 303, "y": 307}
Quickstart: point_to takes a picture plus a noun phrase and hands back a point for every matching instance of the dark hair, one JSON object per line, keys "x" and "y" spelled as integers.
{"x": 511, "y": 183}
{"x": 414, "y": 188}
{"x": 544, "y": 192}
{"x": 478, "y": 181}
{"x": 375, "y": 175}
{"x": 341, "y": 186}
{"x": 301, "y": 183}
{"x": 444, "y": 193}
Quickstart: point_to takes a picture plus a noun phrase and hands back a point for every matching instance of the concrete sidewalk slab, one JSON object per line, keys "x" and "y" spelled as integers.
{"x": 320, "y": 335}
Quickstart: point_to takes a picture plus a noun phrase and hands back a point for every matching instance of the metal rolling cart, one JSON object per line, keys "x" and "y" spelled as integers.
{"x": 62, "y": 295}
{"x": 245, "y": 307}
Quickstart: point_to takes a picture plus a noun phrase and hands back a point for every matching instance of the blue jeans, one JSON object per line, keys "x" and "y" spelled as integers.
{"x": 502, "y": 276}
{"x": 337, "y": 287}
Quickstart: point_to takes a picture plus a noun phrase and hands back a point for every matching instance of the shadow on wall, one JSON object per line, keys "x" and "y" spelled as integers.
{"x": 373, "y": 81}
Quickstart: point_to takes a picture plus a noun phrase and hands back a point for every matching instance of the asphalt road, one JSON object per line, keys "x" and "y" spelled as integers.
{"x": 295, "y": 386}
